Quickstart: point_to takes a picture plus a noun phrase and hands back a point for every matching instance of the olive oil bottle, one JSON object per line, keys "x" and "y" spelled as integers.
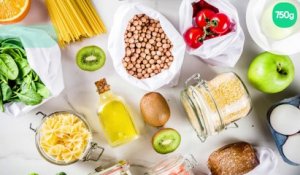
{"x": 114, "y": 116}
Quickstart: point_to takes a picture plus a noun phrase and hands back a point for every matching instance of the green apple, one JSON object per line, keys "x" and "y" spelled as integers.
{"x": 271, "y": 73}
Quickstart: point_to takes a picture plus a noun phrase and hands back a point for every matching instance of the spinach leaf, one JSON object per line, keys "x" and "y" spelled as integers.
{"x": 42, "y": 90}
{"x": 30, "y": 97}
{"x": 6, "y": 91}
{"x": 8, "y": 67}
{"x": 6, "y": 46}
{"x": 35, "y": 76}
{"x": 3, "y": 78}
{"x": 14, "y": 41}
{"x": 1, "y": 103}
{"x": 22, "y": 63}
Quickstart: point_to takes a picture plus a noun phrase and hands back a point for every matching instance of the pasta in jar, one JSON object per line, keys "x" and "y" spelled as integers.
{"x": 64, "y": 137}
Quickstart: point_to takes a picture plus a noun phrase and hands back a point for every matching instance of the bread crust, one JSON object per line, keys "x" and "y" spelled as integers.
{"x": 233, "y": 159}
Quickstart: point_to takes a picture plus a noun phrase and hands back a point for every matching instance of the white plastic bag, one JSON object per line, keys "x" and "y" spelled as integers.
{"x": 116, "y": 47}
{"x": 44, "y": 57}
{"x": 286, "y": 46}
{"x": 267, "y": 161}
{"x": 220, "y": 51}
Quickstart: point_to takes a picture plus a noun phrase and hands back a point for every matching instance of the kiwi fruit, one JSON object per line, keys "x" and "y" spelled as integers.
{"x": 155, "y": 109}
{"x": 166, "y": 141}
{"x": 90, "y": 58}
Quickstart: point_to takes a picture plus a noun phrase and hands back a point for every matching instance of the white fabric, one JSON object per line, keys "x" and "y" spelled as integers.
{"x": 116, "y": 47}
{"x": 286, "y": 46}
{"x": 220, "y": 51}
{"x": 267, "y": 161}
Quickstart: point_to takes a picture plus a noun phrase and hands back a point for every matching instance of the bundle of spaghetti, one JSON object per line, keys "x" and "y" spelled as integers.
{"x": 74, "y": 20}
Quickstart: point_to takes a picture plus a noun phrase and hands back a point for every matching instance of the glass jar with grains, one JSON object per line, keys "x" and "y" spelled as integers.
{"x": 213, "y": 105}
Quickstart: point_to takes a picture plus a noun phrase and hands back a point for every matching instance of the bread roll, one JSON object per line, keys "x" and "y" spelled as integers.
{"x": 233, "y": 159}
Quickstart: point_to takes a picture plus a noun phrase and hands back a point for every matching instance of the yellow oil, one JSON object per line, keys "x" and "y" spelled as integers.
{"x": 117, "y": 123}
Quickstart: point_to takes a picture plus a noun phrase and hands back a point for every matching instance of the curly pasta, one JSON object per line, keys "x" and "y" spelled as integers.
{"x": 64, "y": 137}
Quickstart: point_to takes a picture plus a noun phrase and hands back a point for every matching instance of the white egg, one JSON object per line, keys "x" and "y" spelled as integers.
{"x": 291, "y": 148}
{"x": 285, "y": 119}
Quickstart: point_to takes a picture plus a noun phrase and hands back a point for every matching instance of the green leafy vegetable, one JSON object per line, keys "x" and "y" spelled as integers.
{"x": 33, "y": 174}
{"x": 22, "y": 63}
{"x": 18, "y": 82}
{"x": 6, "y": 91}
{"x": 8, "y": 67}
{"x": 42, "y": 90}
{"x": 61, "y": 173}
{"x": 1, "y": 103}
{"x": 30, "y": 97}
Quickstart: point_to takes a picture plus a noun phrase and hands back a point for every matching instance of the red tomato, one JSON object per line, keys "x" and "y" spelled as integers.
{"x": 194, "y": 37}
{"x": 220, "y": 23}
{"x": 203, "y": 17}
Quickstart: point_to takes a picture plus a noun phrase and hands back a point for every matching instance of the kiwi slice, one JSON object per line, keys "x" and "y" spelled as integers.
{"x": 166, "y": 141}
{"x": 90, "y": 58}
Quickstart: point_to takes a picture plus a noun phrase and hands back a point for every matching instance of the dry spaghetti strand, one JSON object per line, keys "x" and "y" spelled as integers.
{"x": 74, "y": 20}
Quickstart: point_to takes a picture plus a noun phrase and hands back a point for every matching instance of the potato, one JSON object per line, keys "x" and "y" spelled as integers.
{"x": 155, "y": 109}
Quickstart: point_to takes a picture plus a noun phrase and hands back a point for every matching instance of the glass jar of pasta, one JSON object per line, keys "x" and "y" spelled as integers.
{"x": 64, "y": 138}
{"x": 212, "y": 105}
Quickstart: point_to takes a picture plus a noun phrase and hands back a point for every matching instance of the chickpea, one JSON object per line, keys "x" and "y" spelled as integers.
{"x": 165, "y": 46}
{"x": 131, "y": 72}
{"x": 151, "y": 41}
{"x": 127, "y": 59}
{"x": 132, "y": 45}
{"x": 146, "y": 75}
{"x": 138, "y": 45}
{"x": 168, "y": 53}
{"x": 148, "y": 46}
{"x": 128, "y": 52}
{"x": 147, "y": 51}
{"x": 132, "y": 28}
{"x": 130, "y": 66}
{"x": 131, "y": 40}
{"x": 149, "y": 70}
{"x": 152, "y": 61}
{"x": 143, "y": 55}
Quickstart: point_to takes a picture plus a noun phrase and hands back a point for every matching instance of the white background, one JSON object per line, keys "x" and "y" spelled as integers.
{"x": 18, "y": 154}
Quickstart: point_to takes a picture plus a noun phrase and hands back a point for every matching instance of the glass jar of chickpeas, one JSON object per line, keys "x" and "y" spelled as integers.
{"x": 212, "y": 105}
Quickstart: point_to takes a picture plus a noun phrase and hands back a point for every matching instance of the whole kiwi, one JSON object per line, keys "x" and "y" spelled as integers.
{"x": 155, "y": 109}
